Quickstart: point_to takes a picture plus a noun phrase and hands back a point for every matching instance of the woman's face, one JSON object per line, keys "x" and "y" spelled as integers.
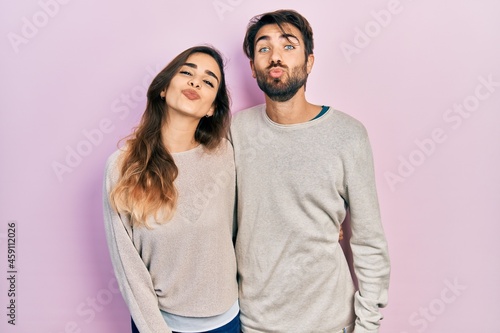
{"x": 193, "y": 89}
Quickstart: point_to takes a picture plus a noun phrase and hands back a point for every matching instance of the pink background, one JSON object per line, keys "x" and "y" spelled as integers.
{"x": 416, "y": 73}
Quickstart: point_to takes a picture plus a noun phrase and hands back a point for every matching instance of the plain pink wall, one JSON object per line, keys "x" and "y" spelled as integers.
{"x": 423, "y": 76}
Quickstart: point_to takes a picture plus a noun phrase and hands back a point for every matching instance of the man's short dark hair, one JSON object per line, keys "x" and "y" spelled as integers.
{"x": 278, "y": 17}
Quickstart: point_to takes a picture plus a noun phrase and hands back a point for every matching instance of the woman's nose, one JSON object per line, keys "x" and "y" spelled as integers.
{"x": 193, "y": 83}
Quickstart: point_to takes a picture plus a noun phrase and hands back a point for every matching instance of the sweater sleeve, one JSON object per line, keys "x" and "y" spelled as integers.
{"x": 368, "y": 242}
{"x": 132, "y": 275}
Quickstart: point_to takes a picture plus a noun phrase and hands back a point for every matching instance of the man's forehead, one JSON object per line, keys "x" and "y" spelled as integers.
{"x": 286, "y": 30}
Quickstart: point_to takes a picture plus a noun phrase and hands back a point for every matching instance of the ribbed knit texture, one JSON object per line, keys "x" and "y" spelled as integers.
{"x": 186, "y": 266}
{"x": 294, "y": 184}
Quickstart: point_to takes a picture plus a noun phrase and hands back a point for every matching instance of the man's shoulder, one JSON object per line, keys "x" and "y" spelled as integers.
{"x": 346, "y": 118}
{"x": 246, "y": 114}
{"x": 347, "y": 122}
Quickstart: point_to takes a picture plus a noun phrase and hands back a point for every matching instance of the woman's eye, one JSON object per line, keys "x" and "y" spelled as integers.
{"x": 209, "y": 83}
{"x": 185, "y": 73}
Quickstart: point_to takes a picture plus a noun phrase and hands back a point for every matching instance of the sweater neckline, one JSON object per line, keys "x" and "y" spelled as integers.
{"x": 305, "y": 124}
{"x": 189, "y": 151}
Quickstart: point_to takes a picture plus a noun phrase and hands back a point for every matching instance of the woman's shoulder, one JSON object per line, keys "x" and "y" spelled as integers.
{"x": 113, "y": 163}
{"x": 225, "y": 147}
{"x": 240, "y": 118}
{"x": 223, "y": 152}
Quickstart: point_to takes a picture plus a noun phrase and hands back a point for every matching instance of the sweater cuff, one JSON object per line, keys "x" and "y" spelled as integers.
{"x": 368, "y": 315}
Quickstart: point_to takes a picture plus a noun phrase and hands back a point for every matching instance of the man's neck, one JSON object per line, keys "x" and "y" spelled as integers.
{"x": 294, "y": 111}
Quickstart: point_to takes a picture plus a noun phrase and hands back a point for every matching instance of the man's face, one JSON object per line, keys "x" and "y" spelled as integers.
{"x": 279, "y": 64}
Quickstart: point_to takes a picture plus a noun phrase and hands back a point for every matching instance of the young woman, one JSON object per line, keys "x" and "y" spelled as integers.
{"x": 169, "y": 197}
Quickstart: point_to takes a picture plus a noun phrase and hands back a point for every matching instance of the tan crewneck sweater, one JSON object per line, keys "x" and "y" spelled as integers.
{"x": 295, "y": 185}
{"x": 187, "y": 266}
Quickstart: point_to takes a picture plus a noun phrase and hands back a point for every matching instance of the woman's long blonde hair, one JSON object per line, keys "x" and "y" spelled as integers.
{"x": 146, "y": 184}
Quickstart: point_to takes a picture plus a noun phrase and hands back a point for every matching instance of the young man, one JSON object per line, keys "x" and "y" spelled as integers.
{"x": 300, "y": 169}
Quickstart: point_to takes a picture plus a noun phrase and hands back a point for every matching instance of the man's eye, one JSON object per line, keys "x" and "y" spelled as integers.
{"x": 209, "y": 83}
{"x": 264, "y": 49}
{"x": 289, "y": 47}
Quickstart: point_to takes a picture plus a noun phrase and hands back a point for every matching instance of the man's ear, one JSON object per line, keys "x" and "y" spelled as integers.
{"x": 310, "y": 63}
{"x": 252, "y": 67}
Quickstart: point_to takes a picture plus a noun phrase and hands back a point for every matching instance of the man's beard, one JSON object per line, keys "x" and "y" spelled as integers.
{"x": 280, "y": 91}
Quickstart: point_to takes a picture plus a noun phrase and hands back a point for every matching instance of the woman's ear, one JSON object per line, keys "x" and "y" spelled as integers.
{"x": 163, "y": 94}
{"x": 211, "y": 111}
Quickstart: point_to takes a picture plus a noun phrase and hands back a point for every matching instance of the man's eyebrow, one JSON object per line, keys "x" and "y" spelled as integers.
{"x": 286, "y": 36}
{"x": 190, "y": 64}
{"x": 263, "y": 37}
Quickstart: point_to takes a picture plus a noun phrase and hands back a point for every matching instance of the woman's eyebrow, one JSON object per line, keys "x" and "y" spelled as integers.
{"x": 209, "y": 72}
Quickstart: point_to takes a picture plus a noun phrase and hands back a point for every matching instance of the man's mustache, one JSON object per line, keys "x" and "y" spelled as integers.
{"x": 276, "y": 64}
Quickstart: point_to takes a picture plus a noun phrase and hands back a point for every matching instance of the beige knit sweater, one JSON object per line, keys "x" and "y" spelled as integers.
{"x": 296, "y": 184}
{"x": 187, "y": 266}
